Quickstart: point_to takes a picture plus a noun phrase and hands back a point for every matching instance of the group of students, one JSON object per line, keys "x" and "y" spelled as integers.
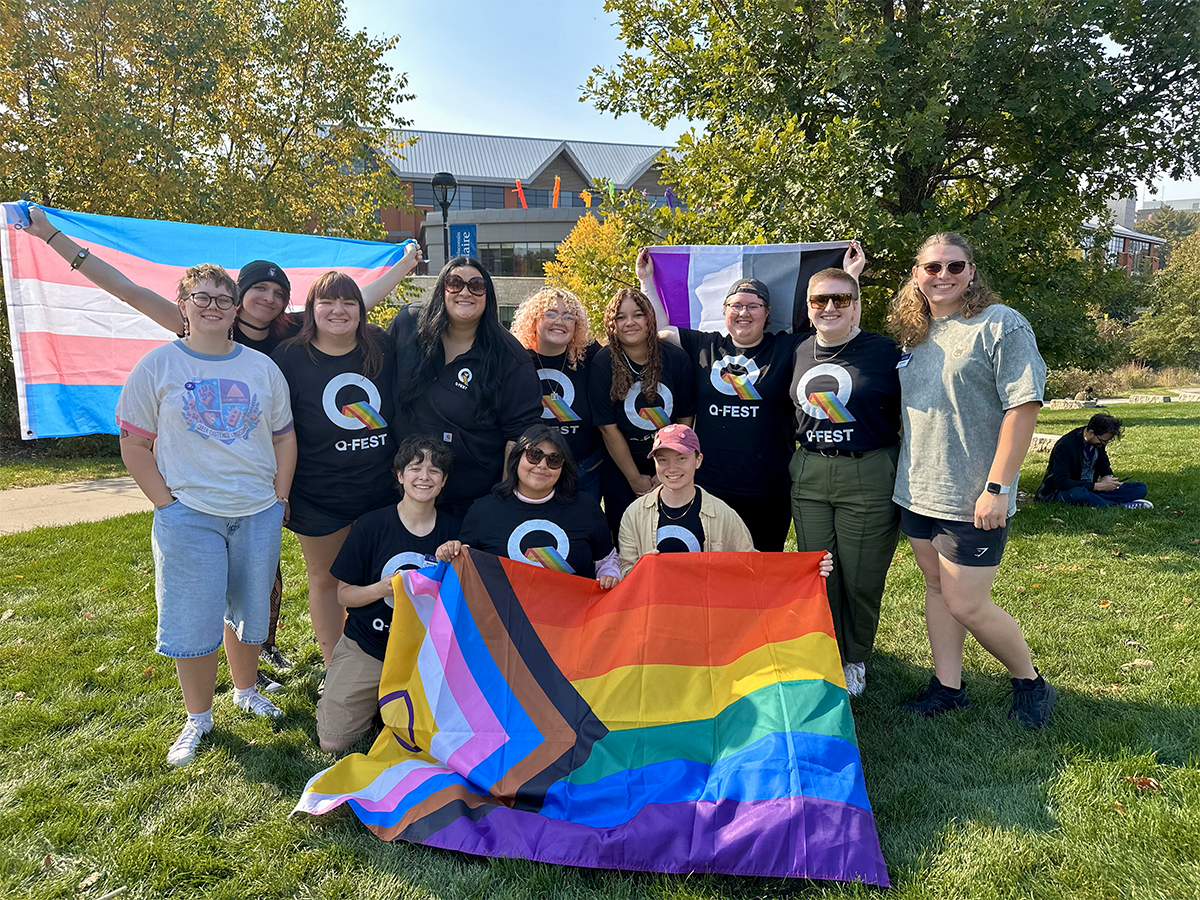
{"x": 509, "y": 443}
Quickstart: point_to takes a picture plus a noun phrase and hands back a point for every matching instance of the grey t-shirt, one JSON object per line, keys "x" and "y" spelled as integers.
{"x": 955, "y": 389}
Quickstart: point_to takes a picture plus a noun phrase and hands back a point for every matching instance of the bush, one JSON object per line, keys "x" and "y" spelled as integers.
{"x": 1131, "y": 377}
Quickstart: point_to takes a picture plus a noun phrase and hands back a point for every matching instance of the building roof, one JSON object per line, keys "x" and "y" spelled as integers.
{"x": 1123, "y": 232}
{"x": 484, "y": 158}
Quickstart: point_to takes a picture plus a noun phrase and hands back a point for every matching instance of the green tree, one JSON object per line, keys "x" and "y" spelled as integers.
{"x": 593, "y": 262}
{"x": 835, "y": 119}
{"x": 1169, "y": 332}
{"x": 1172, "y": 224}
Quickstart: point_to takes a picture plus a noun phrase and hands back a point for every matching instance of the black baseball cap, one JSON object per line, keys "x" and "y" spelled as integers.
{"x": 750, "y": 286}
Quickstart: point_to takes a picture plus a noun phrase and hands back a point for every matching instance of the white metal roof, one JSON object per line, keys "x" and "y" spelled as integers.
{"x": 484, "y": 158}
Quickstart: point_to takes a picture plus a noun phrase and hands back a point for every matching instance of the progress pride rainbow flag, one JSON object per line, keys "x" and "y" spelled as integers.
{"x": 74, "y": 345}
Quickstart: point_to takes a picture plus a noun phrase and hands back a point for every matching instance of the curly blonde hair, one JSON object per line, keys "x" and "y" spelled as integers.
{"x": 622, "y": 374}
{"x": 524, "y": 325}
{"x": 909, "y": 315}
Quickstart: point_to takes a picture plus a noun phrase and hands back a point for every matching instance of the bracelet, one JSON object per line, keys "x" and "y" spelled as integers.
{"x": 80, "y": 257}
{"x": 283, "y": 500}
{"x": 53, "y": 236}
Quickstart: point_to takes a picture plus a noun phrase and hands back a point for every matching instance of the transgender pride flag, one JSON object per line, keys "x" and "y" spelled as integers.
{"x": 74, "y": 345}
{"x": 692, "y": 281}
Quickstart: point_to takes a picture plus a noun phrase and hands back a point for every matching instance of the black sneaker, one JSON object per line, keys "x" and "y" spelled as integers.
{"x": 272, "y": 657}
{"x": 935, "y": 699}
{"x": 1033, "y": 699}
{"x": 266, "y": 684}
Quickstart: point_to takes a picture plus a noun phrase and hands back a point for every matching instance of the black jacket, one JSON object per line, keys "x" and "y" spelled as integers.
{"x": 1065, "y": 468}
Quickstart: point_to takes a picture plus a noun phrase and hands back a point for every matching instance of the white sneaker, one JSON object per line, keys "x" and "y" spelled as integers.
{"x": 856, "y": 678}
{"x": 1138, "y": 504}
{"x": 256, "y": 703}
{"x": 183, "y": 751}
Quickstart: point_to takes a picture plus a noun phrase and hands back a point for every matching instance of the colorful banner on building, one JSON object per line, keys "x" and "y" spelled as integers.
{"x": 74, "y": 345}
{"x": 463, "y": 242}
{"x": 692, "y": 719}
{"x": 692, "y": 281}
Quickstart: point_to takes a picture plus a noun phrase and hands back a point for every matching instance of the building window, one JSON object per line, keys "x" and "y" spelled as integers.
{"x": 521, "y": 259}
{"x": 469, "y": 196}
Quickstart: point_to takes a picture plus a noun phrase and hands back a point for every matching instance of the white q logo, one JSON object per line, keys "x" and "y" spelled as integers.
{"x": 726, "y": 362}
{"x": 631, "y": 412}
{"x": 680, "y": 534}
{"x": 409, "y": 560}
{"x": 334, "y": 411}
{"x": 566, "y": 390}
{"x": 562, "y": 542}
{"x": 844, "y": 387}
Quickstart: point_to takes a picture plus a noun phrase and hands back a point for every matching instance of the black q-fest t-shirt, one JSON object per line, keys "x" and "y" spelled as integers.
{"x": 680, "y": 530}
{"x": 565, "y": 401}
{"x": 377, "y": 547}
{"x": 847, "y": 397}
{"x": 547, "y": 534}
{"x": 743, "y": 411}
{"x": 636, "y": 417}
{"x": 344, "y": 449}
{"x": 451, "y": 409}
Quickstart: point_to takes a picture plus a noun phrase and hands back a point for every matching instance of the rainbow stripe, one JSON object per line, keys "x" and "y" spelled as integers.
{"x": 834, "y": 408}
{"x": 692, "y": 719}
{"x": 559, "y": 408}
{"x": 655, "y": 414}
{"x": 365, "y": 413}
{"x": 742, "y": 386}
{"x": 74, "y": 345}
{"x": 549, "y": 558}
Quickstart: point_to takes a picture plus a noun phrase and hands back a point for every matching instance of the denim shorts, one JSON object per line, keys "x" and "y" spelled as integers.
{"x": 212, "y": 570}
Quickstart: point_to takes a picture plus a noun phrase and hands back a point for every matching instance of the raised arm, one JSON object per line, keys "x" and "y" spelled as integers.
{"x": 375, "y": 292}
{"x": 102, "y": 275}
{"x": 644, "y": 267}
{"x": 855, "y": 259}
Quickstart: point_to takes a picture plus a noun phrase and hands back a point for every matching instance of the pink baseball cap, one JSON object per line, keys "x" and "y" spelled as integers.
{"x": 676, "y": 437}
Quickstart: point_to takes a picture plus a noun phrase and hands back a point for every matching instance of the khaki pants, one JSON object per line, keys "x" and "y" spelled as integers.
{"x": 844, "y": 505}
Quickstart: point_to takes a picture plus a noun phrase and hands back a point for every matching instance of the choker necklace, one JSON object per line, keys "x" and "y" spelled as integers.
{"x": 662, "y": 507}
{"x": 253, "y": 327}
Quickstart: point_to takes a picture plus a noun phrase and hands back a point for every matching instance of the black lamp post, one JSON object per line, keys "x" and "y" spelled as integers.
{"x": 445, "y": 189}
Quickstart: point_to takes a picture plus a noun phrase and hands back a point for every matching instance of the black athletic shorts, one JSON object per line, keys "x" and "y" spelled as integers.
{"x": 959, "y": 542}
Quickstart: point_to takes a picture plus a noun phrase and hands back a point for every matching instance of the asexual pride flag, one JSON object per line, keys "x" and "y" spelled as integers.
{"x": 692, "y": 719}
{"x": 73, "y": 345}
{"x": 692, "y": 281}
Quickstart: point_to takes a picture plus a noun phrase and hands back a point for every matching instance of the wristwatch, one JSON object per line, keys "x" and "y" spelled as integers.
{"x": 995, "y": 487}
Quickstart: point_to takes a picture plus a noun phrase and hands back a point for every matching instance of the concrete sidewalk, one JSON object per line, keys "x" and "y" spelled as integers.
{"x": 65, "y": 504}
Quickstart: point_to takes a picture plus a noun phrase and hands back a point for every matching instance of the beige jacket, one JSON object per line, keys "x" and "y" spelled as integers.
{"x": 724, "y": 531}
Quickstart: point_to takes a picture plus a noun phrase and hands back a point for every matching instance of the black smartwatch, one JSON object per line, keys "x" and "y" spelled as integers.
{"x": 995, "y": 487}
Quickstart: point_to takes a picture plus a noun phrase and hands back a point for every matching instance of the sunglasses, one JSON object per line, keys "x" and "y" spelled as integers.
{"x": 534, "y": 455}
{"x": 955, "y": 268}
{"x": 223, "y": 301}
{"x": 476, "y": 286}
{"x": 840, "y": 301}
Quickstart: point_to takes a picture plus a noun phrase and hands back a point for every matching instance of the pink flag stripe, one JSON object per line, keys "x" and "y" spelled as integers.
{"x": 72, "y": 359}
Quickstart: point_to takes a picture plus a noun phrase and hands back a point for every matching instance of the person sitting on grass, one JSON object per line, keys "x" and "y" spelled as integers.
{"x": 1079, "y": 472}
{"x": 404, "y": 535}
{"x": 679, "y": 517}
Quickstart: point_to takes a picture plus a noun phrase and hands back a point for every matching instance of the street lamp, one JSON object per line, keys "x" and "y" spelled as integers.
{"x": 445, "y": 189}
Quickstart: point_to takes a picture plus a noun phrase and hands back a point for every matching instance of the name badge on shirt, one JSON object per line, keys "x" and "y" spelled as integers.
{"x": 904, "y": 360}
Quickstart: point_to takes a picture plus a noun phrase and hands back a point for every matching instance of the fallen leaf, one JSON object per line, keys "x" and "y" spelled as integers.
{"x": 1143, "y": 782}
{"x": 1108, "y": 689}
{"x": 89, "y": 881}
{"x": 1119, "y": 806}
{"x": 19, "y": 695}
{"x": 6, "y": 615}
{"x": 87, "y": 615}
{"x": 1138, "y": 644}
{"x": 1057, "y": 519}
{"x": 46, "y": 861}
{"x": 1118, "y": 554}
{"x": 1137, "y": 664}
{"x": 1180, "y": 626}
{"x": 1196, "y": 540}
{"x": 18, "y": 576}
{"x": 101, "y": 668}
{"x": 1042, "y": 566}
{"x": 1187, "y": 601}
{"x": 148, "y": 672}
{"x": 1181, "y": 512}
{"x": 1102, "y": 571}
{"x": 1070, "y": 569}
{"x": 1160, "y": 618}
{"x": 1105, "y": 604}
{"x": 1035, "y": 586}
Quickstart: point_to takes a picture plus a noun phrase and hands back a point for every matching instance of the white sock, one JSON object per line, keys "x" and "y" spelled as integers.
{"x": 204, "y": 719}
{"x": 240, "y": 694}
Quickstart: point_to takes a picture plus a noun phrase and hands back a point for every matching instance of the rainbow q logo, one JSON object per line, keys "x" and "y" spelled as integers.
{"x": 464, "y": 377}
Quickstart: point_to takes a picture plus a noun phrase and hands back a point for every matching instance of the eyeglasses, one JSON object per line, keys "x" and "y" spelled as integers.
{"x": 954, "y": 268}
{"x": 745, "y": 307}
{"x": 223, "y": 301}
{"x": 840, "y": 301}
{"x": 534, "y": 455}
{"x": 476, "y": 286}
{"x": 553, "y": 315}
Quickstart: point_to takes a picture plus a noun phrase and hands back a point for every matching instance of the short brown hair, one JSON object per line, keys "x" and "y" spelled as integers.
{"x": 205, "y": 272}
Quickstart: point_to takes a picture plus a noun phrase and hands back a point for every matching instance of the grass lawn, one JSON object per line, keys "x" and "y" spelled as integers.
{"x": 971, "y": 806}
{"x": 33, "y": 472}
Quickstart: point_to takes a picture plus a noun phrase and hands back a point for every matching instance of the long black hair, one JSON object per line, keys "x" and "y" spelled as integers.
{"x": 567, "y": 488}
{"x": 335, "y": 285}
{"x": 433, "y": 321}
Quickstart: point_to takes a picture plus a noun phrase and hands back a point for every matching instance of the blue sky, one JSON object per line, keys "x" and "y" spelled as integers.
{"x": 514, "y": 67}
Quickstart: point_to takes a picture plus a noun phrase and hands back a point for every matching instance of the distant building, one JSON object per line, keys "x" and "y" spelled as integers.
{"x": 1147, "y": 209}
{"x": 1124, "y": 210}
{"x": 1129, "y": 249}
{"x": 510, "y": 240}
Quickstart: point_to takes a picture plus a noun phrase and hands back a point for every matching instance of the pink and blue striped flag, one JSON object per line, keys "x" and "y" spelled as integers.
{"x": 74, "y": 345}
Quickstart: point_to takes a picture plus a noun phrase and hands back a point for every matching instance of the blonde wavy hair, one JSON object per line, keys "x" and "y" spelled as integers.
{"x": 524, "y": 325}
{"x": 909, "y": 316}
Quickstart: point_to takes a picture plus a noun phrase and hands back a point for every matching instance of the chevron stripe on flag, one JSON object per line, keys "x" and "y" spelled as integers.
{"x": 74, "y": 345}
